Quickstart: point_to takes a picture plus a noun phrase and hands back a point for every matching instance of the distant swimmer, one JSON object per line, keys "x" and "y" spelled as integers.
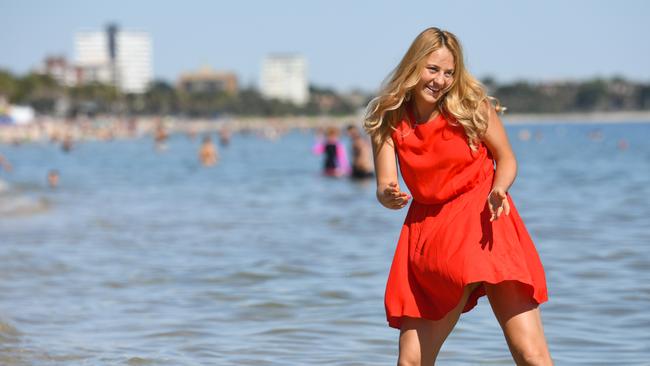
{"x": 524, "y": 134}
{"x": 132, "y": 127}
{"x": 53, "y": 178}
{"x": 362, "y": 165}
{"x": 160, "y": 136}
{"x": 5, "y": 164}
{"x": 595, "y": 135}
{"x": 208, "y": 153}
{"x": 224, "y": 136}
{"x": 335, "y": 162}
{"x": 66, "y": 144}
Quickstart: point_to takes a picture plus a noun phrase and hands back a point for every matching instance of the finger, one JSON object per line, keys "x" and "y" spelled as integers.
{"x": 506, "y": 206}
{"x": 491, "y": 207}
{"x": 390, "y": 191}
{"x": 495, "y": 214}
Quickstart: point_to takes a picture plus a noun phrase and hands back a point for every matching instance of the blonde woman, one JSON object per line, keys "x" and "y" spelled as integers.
{"x": 462, "y": 237}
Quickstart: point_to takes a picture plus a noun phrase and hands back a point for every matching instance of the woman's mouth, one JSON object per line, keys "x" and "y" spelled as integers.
{"x": 433, "y": 90}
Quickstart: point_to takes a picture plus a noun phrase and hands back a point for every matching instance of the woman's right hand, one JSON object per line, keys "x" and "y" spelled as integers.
{"x": 391, "y": 197}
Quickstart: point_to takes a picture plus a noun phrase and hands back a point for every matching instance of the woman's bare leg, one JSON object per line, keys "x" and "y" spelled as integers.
{"x": 420, "y": 340}
{"x": 521, "y": 322}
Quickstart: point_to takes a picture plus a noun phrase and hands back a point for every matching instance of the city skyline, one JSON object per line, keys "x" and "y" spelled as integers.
{"x": 346, "y": 45}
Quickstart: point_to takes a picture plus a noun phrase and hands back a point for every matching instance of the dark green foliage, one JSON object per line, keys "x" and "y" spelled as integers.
{"x": 45, "y": 94}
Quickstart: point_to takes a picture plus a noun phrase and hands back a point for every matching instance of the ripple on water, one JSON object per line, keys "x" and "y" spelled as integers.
{"x": 282, "y": 267}
{"x": 140, "y": 361}
{"x": 183, "y": 333}
{"x": 8, "y": 333}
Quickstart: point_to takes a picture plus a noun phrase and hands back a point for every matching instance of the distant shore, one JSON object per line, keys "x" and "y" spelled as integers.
{"x": 46, "y": 128}
{"x": 507, "y": 118}
{"x": 578, "y": 117}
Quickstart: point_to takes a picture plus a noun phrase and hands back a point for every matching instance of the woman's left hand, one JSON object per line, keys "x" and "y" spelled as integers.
{"x": 498, "y": 203}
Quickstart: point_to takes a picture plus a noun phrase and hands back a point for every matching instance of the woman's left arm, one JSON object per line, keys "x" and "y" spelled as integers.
{"x": 496, "y": 139}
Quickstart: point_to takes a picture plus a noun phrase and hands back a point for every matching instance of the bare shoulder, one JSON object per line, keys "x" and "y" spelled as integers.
{"x": 487, "y": 109}
{"x": 496, "y": 137}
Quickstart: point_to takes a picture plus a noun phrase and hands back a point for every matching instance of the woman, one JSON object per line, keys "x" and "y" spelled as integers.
{"x": 462, "y": 237}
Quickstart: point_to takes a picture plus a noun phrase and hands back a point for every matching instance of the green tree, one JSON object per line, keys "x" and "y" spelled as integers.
{"x": 591, "y": 95}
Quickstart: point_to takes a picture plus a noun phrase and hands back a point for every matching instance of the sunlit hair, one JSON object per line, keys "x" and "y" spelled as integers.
{"x": 464, "y": 101}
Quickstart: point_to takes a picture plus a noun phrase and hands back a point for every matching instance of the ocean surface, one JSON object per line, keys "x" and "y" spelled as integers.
{"x": 143, "y": 257}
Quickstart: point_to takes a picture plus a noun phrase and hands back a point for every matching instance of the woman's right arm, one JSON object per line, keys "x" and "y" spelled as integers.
{"x": 388, "y": 192}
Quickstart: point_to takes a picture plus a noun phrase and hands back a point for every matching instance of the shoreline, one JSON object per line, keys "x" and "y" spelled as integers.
{"x": 106, "y": 127}
{"x": 578, "y": 117}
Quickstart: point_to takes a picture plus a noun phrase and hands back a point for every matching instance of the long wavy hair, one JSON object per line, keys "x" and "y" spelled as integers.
{"x": 463, "y": 101}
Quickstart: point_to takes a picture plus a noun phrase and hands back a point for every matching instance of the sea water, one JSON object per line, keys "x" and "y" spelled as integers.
{"x": 143, "y": 257}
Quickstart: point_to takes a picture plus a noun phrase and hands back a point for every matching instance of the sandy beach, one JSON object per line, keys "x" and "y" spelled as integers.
{"x": 46, "y": 128}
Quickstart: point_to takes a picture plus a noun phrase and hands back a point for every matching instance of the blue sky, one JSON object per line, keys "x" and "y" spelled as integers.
{"x": 347, "y": 43}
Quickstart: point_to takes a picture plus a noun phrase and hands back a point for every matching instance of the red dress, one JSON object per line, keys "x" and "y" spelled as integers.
{"x": 447, "y": 240}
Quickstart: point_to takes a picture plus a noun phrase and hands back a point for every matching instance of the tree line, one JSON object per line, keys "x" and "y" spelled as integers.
{"x": 47, "y": 96}
{"x": 594, "y": 95}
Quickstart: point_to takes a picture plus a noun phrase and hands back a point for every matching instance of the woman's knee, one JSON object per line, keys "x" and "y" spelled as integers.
{"x": 533, "y": 357}
{"x": 405, "y": 360}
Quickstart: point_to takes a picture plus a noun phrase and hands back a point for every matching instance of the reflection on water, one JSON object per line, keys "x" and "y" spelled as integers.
{"x": 141, "y": 257}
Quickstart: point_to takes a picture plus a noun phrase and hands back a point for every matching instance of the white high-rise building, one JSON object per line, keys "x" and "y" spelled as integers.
{"x": 91, "y": 55}
{"x": 284, "y": 77}
{"x": 116, "y": 57}
{"x": 134, "y": 61}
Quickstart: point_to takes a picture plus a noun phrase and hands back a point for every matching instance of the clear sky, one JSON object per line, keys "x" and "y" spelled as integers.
{"x": 347, "y": 43}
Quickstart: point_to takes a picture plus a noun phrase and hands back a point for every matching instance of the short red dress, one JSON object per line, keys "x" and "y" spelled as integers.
{"x": 447, "y": 240}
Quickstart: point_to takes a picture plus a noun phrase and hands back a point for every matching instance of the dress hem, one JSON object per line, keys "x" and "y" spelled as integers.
{"x": 395, "y": 321}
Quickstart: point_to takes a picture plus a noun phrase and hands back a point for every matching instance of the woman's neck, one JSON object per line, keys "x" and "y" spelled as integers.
{"x": 424, "y": 113}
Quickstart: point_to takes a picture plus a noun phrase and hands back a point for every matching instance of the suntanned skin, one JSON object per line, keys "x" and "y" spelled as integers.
{"x": 421, "y": 339}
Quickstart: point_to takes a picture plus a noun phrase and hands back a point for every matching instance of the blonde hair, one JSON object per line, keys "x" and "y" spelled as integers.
{"x": 464, "y": 101}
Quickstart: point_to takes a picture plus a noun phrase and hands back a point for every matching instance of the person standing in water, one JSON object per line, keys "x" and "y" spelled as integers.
{"x": 462, "y": 237}
{"x": 5, "y": 164}
{"x": 160, "y": 135}
{"x": 53, "y": 178}
{"x": 361, "y": 155}
{"x": 335, "y": 162}
{"x": 208, "y": 155}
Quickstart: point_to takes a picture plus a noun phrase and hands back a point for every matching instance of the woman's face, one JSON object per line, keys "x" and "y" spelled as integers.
{"x": 436, "y": 77}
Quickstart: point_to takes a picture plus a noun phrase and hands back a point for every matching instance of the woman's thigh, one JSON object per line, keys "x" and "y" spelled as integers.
{"x": 421, "y": 339}
{"x": 519, "y": 317}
